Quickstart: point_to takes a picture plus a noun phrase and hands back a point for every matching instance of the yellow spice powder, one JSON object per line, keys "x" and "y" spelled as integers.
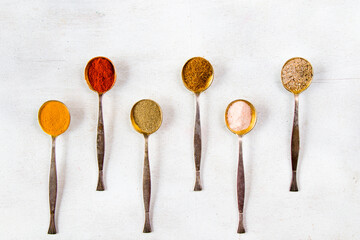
{"x": 54, "y": 117}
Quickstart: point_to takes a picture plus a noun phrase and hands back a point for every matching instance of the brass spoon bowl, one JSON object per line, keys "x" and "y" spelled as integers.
{"x": 241, "y": 172}
{"x": 146, "y": 118}
{"x": 60, "y": 118}
{"x": 86, "y": 73}
{"x": 252, "y": 122}
{"x": 57, "y": 114}
{"x": 296, "y": 76}
{"x": 197, "y": 75}
{"x": 100, "y": 130}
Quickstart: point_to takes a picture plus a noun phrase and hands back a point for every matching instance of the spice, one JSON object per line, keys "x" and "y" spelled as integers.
{"x": 197, "y": 74}
{"x": 239, "y": 115}
{"x": 146, "y": 116}
{"x": 101, "y": 74}
{"x": 296, "y": 75}
{"x": 54, "y": 117}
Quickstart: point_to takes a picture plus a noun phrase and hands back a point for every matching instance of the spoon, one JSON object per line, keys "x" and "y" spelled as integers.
{"x": 100, "y": 83}
{"x": 296, "y": 76}
{"x": 197, "y": 75}
{"x": 146, "y": 118}
{"x": 54, "y": 119}
{"x": 240, "y": 118}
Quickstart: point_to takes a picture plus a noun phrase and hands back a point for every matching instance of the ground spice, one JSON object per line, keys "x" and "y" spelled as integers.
{"x": 296, "y": 75}
{"x": 54, "y": 117}
{"x": 101, "y": 74}
{"x": 239, "y": 116}
{"x": 197, "y": 74}
{"x": 146, "y": 115}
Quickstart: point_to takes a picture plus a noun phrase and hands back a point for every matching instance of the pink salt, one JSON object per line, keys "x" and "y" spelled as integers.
{"x": 239, "y": 116}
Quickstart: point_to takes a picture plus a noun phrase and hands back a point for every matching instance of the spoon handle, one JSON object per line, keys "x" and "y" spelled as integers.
{"x": 100, "y": 146}
{"x": 52, "y": 189}
{"x": 146, "y": 187}
{"x": 295, "y": 145}
{"x": 197, "y": 144}
{"x": 241, "y": 188}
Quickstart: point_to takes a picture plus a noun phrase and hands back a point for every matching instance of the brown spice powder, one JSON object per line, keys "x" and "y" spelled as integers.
{"x": 197, "y": 74}
{"x": 296, "y": 75}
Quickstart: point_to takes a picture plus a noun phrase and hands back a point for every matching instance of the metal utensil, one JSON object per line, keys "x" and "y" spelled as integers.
{"x": 100, "y": 130}
{"x": 296, "y": 76}
{"x": 146, "y": 118}
{"x": 240, "y": 173}
{"x": 60, "y": 120}
{"x": 197, "y": 75}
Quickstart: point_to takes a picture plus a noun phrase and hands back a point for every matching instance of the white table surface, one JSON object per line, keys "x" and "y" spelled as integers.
{"x": 44, "y": 47}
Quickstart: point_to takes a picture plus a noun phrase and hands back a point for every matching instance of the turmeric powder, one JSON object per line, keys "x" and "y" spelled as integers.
{"x": 54, "y": 117}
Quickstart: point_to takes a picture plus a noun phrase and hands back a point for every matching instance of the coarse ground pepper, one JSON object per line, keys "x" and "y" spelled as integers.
{"x": 101, "y": 74}
{"x": 197, "y": 74}
{"x": 296, "y": 75}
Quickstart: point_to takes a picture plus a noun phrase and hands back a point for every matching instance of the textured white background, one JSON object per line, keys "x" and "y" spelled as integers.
{"x": 44, "y": 47}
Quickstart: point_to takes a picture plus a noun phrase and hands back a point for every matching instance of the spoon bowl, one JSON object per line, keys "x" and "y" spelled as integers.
{"x": 109, "y": 65}
{"x": 146, "y": 116}
{"x": 56, "y": 113}
{"x": 197, "y": 74}
{"x": 251, "y": 123}
{"x": 296, "y": 75}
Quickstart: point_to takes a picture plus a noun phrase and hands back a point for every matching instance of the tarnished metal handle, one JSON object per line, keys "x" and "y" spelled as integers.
{"x": 197, "y": 144}
{"x": 241, "y": 188}
{"x": 100, "y": 146}
{"x": 52, "y": 189}
{"x": 295, "y": 145}
{"x": 146, "y": 187}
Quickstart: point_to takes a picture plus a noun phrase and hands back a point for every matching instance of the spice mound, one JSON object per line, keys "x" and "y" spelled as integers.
{"x": 146, "y": 115}
{"x": 197, "y": 74}
{"x": 54, "y": 118}
{"x": 101, "y": 74}
{"x": 296, "y": 75}
{"x": 239, "y": 115}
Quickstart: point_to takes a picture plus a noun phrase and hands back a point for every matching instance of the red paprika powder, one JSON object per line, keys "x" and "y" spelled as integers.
{"x": 101, "y": 74}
